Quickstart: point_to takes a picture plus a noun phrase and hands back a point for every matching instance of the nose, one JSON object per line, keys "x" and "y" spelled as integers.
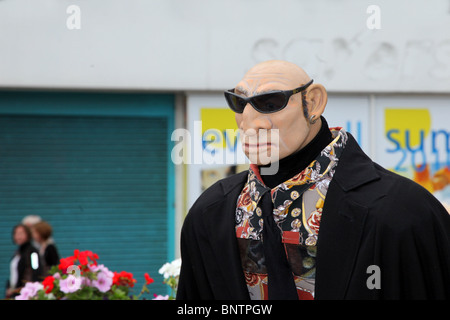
{"x": 252, "y": 119}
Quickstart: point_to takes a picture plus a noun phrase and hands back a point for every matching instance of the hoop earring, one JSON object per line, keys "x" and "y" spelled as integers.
{"x": 311, "y": 119}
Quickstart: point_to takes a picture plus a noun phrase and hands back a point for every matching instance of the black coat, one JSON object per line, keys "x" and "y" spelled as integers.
{"x": 50, "y": 258}
{"x": 371, "y": 217}
{"x": 25, "y": 271}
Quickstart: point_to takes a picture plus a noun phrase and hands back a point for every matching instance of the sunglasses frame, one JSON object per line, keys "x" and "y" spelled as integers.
{"x": 287, "y": 94}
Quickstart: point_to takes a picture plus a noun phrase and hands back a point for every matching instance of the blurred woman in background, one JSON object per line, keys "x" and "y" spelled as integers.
{"x": 25, "y": 264}
{"x": 42, "y": 234}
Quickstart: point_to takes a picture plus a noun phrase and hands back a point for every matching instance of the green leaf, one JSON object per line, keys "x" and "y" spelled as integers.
{"x": 119, "y": 294}
{"x": 41, "y": 295}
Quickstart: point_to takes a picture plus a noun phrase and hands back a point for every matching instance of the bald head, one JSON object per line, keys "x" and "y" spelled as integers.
{"x": 297, "y": 123}
{"x": 272, "y": 74}
{"x": 279, "y": 67}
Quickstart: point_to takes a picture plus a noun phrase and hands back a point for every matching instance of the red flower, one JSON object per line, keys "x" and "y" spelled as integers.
{"x": 64, "y": 263}
{"x": 48, "y": 284}
{"x": 148, "y": 279}
{"x": 124, "y": 278}
{"x": 84, "y": 257}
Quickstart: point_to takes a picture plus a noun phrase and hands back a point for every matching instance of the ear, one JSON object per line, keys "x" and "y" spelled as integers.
{"x": 316, "y": 98}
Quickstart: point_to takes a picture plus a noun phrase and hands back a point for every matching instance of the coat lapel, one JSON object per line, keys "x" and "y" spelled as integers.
{"x": 339, "y": 237}
{"x": 342, "y": 222}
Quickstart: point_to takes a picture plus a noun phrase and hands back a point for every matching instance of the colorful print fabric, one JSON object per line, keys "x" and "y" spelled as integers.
{"x": 298, "y": 204}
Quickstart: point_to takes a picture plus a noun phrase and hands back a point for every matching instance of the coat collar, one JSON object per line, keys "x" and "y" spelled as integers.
{"x": 234, "y": 182}
{"x": 350, "y": 176}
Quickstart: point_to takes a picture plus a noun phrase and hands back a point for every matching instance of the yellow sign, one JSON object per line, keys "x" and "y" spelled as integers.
{"x": 219, "y": 128}
{"x": 408, "y": 126}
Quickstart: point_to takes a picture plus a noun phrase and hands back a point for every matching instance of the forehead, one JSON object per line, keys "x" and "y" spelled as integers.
{"x": 20, "y": 229}
{"x": 259, "y": 82}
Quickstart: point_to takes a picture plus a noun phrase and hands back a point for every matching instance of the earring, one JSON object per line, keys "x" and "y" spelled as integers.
{"x": 311, "y": 119}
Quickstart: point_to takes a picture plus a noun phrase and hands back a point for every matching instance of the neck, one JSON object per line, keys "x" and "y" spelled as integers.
{"x": 296, "y": 162}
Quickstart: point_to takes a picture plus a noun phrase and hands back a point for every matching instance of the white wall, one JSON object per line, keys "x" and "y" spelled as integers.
{"x": 208, "y": 45}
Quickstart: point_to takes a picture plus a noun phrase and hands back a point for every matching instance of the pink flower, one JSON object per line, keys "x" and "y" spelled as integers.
{"x": 98, "y": 268}
{"x": 160, "y": 297}
{"x": 86, "y": 282}
{"x": 29, "y": 291}
{"x": 70, "y": 284}
{"x": 104, "y": 281}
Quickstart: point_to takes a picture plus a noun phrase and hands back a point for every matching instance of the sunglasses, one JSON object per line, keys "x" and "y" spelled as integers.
{"x": 265, "y": 103}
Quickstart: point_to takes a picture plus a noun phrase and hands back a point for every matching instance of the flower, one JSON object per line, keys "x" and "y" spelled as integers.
{"x": 48, "y": 284}
{"x": 100, "y": 268}
{"x": 160, "y": 297}
{"x": 70, "y": 284}
{"x": 84, "y": 257}
{"x": 171, "y": 269}
{"x": 104, "y": 281}
{"x": 29, "y": 290}
{"x": 124, "y": 278}
{"x": 171, "y": 273}
{"x": 148, "y": 279}
{"x": 80, "y": 277}
{"x": 64, "y": 263}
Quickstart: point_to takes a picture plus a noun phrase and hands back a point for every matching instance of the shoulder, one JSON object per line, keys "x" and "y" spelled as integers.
{"x": 219, "y": 189}
{"x": 217, "y": 192}
{"x": 28, "y": 248}
{"x": 406, "y": 191}
{"x": 407, "y": 204}
{"x": 51, "y": 248}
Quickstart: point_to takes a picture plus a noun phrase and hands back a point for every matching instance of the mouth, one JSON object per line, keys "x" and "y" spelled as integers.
{"x": 260, "y": 141}
{"x": 250, "y": 146}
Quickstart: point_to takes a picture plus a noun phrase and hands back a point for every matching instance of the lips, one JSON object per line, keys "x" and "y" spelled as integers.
{"x": 255, "y": 141}
{"x": 257, "y": 145}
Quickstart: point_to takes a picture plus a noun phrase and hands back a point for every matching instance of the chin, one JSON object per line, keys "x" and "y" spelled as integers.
{"x": 263, "y": 160}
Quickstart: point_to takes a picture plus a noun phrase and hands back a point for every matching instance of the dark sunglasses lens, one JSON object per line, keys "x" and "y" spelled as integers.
{"x": 270, "y": 102}
{"x": 236, "y": 104}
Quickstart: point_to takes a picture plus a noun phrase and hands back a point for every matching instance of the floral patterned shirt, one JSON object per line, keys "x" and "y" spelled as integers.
{"x": 298, "y": 204}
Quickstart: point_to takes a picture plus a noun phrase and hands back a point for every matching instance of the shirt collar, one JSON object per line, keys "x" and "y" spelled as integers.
{"x": 313, "y": 173}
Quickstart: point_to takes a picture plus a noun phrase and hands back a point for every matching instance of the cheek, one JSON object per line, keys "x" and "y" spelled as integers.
{"x": 238, "y": 118}
{"x": 19, "y": 237}
{"x": 293, "y": 132}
